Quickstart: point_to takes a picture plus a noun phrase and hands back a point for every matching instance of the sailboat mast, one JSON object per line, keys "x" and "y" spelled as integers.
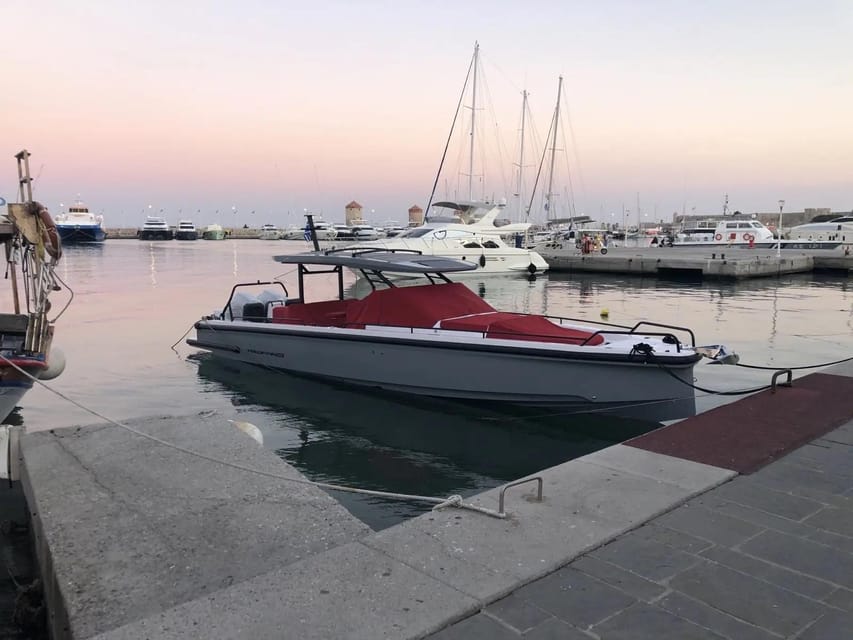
{"x": 639, "y": 217}
{"x": 473, "y": 120}
{"x": 521, "y": 157}
{"x": 554, "y": 147}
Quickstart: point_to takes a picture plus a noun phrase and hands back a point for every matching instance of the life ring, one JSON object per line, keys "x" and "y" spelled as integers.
{"x": 718, "y": 237}
{"x": 49, "y": 233}
{"x": 748, "y": 237}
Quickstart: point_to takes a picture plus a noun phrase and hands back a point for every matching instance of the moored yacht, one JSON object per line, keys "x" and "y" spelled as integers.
{"x": 79, "y": 225}
{"x": 155, "y": 228}
{"x": 743, "y": 232}
{"x": 186, "y": 230}
{"x": 355, "y": 232}
{"x": 441, "y": 339}
{"x": 469, "y": 235}
{"x": 269, "y": 232}
{"x": 213, "y": 232}
{"x": 325, "y": 231}
{"x": 835, "y": 234}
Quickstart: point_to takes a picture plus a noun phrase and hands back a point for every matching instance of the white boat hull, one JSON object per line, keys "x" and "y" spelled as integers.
{"x": 463, "y": 365}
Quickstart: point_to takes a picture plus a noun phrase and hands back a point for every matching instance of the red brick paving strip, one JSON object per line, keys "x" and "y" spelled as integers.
{"x": 746, "y": 435}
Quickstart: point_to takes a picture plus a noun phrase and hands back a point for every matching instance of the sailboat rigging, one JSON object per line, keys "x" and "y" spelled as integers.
{"x": 472, "y": 68}
{"x": 551, "y": 197}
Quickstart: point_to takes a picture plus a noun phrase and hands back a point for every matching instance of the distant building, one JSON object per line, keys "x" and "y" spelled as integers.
{"x": 353, "y": 213}
{"x": 416, "y": 216}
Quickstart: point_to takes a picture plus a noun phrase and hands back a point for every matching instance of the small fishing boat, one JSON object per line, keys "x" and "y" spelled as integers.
{"x": 79, "y": 225}
{"x": 33, "y": 249}
{"x": 442, "y": 339}
{"x": 213, "y": 232}
{"x": 186, "y": 230}
{"x": 155, "y": 228}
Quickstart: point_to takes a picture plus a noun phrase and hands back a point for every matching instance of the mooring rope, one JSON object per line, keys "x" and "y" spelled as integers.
{"x": 439, "y": 503}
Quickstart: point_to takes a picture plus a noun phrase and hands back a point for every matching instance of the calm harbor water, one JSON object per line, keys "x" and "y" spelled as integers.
{"x": 133, "y": 300}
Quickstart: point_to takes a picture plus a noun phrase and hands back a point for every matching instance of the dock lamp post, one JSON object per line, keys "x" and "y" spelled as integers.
{"x": 779, "y": 231}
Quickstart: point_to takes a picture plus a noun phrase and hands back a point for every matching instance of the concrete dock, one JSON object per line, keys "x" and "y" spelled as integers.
{"x": 733, "y": 524}
{"x": 711, "y": 263}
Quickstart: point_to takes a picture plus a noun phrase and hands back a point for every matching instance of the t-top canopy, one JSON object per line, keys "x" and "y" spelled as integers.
{"x": 380, "y": 260}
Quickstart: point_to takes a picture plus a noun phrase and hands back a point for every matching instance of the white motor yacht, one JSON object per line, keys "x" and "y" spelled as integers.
{"x": 325, "y": 231}
{"x": 269, "y": 232}
{"x": 472, "y": 236}
{"x": 155, "y": 228}
{"x": 186, "y": 230}
{"x": 835, "y": 234}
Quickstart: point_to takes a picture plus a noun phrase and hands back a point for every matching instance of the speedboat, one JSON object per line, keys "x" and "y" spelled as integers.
{"x": 155, "y": 228}
{"x": 186, "y": 230}
{"x": 468, "y": 237}
{"x": 33, "y": 249}
{"x": 441, "y": 339}
{"x": 78, "y": 224}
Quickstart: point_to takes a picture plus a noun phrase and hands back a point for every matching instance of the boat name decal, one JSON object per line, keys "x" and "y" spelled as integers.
{"x": 266, "y": 353}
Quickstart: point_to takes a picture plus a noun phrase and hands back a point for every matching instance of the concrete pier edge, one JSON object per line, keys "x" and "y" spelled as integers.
{"x": 407, "y": 581}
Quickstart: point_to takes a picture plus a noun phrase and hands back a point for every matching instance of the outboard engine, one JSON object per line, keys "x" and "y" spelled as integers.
{"x": 239, "y": 301}
{"x": 255, "y": 312}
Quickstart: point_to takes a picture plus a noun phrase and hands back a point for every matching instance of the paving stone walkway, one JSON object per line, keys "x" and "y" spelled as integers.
{"x": 764, "y": 556}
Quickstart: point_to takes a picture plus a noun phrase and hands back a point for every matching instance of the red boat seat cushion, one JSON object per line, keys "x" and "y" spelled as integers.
{"x": 328, "y": 313}
{"x": 420, "y": 306}
{"x": 517, "y": 326}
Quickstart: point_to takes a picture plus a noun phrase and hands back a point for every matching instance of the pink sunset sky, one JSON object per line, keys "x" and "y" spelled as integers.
{"x": 278, "y": 107}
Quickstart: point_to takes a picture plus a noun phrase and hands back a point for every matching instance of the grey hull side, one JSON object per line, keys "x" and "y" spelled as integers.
{"x": 635, "y": 389}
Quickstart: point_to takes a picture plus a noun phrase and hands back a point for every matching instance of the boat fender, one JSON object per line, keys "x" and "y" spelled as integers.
{"x": 49, "y": 233}
{"x": 531, "y": 268}
{"x": 718, "y": 237}
{"x": 249, "y": 429}
{"x": 482, "y": 260}
{"x": 55, "y": 364}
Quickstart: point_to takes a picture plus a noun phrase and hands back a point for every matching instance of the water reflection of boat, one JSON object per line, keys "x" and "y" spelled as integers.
{"x": 386, "y": 441}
